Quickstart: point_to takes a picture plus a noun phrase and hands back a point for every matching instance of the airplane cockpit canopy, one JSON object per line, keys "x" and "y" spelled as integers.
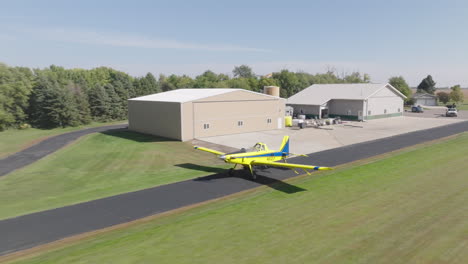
{"x": 258, "y": 147}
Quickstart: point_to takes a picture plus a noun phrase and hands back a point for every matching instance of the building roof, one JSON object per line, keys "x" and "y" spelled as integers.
{"x": 189, "y": 94}
{"x": 423, "y": 95}
{"x": 319, "y": 94}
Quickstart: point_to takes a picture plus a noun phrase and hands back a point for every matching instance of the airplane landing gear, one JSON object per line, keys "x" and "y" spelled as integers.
{"x": 252, "y": 172}
{"x": 254, "y": 175}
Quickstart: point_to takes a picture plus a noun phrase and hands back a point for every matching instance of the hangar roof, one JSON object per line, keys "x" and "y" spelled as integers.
{"x": 189, "y": 94}
{"x": 423, "y": 95}
{"x": 319, "y": 94}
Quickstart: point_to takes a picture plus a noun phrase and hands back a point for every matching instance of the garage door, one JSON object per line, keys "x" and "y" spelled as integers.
{"x": 222, "y": 118}
{"x": 429, "y": 102}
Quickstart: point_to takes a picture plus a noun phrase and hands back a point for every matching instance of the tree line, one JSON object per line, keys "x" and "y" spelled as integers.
{"x": 58, "y": 97}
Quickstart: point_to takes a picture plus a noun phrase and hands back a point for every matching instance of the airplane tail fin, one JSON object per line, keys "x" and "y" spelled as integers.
{"x": 285, "y": 145}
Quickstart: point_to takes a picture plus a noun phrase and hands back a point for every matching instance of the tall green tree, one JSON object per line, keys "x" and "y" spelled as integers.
{"x": 288, "y": 82}
{"x": 146, "y": 85}
{"x": 209, "y": 79}
{"x": 81, "y": 101}
{"x": 266, "y": 82}
{"x": 427, "y": 85}
{"x": 15, "y": 88}
{"x": 456, "y": 95}
{"x": 443, "y": 97}
{"x": 166, "y": 84}
{"x": 100, "y": 103}
{"x": 356, "y": 77}
{"x": 116, "y": 111}
{"x": 52, "y": 105}
{"x": 243, "y": 71}
{"x": 401, "y": 85}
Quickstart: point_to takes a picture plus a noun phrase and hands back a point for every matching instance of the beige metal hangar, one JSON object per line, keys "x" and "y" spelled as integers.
{"x": 185, "y": 114}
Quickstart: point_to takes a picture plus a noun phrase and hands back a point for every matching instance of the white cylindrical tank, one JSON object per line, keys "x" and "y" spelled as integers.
{"x": 271, "y": 90}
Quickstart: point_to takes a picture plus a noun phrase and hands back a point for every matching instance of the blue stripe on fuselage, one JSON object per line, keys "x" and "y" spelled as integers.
{"x": 275, "y": 154}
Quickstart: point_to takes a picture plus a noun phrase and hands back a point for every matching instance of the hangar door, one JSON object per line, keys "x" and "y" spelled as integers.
{"x": 231, "y": 117}
{"x": 425, "y": 101}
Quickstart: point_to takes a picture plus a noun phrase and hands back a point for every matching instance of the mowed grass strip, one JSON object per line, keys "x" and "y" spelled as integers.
{"x": 408, "y": 208}
{"x": 101, "y": 165}
{"x": 14, "y": 140}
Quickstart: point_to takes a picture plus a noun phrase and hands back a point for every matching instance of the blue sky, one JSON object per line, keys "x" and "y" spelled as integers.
{"x": 382, "y": 38}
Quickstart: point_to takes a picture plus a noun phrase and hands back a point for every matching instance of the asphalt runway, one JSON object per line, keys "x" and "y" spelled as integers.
{"x": 38, "y": 228}
{"x": 45, "y": 147}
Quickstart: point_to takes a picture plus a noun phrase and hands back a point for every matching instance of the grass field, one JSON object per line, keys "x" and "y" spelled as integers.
{"x": 460, "y": 106}
{"x": 14, "y": 140}
{"x": 100, "y": 165}
{"x": 410, "y": 207}
{"x": 463, "y": 106}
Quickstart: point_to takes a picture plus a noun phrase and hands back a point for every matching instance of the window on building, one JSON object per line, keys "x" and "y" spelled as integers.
{"x": 269, "y": 121}
{"x": 385, "y": 111}
{"x": 240, "y": 123}
{"x": 349, "y": 112}
{"x": 369, "y": 112}
{"x": 206, "y": 126}
{"x": 399, "y": 110}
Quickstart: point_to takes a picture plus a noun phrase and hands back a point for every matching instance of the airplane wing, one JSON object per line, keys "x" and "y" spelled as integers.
{"x": 209, "y": 150}
{"x": 290, "y": 165}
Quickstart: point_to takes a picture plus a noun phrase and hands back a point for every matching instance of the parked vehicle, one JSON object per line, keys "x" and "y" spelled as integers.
{"x": 451, "y": 112}
{"x": 417, "y": 109}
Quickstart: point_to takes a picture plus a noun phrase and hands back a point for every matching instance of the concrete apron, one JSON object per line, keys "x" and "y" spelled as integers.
{"x": 311, "y": 140}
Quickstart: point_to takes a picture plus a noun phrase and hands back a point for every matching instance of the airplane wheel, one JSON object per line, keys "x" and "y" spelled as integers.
{"x": 254, "y": 176}
{"x": 231, "y": 171}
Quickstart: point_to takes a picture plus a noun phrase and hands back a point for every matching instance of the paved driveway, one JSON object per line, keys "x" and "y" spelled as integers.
{"x": 44, "y": 148}
{"x": 438, "y": 113}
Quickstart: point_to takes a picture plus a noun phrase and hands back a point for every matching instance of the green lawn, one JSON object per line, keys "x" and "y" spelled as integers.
{"x": 100, "y": 165}
{"x": 460, "y": 106}
{"x": 411, "y": 207}
{"x": 14, "y": 140}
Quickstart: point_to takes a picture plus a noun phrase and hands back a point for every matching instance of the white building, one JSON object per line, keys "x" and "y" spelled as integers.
{"x": 425, "y": 99}
{"x": 360, "y": 101}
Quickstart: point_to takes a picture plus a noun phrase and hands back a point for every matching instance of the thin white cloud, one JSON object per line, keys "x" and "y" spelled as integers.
{"x": 127, "y": 40}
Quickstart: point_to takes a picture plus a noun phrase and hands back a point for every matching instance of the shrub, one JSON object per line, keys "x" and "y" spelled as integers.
{"x": 24, "y": 126}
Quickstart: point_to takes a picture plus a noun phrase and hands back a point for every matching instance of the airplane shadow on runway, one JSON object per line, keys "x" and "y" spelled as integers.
{"x": 273, "y": 183}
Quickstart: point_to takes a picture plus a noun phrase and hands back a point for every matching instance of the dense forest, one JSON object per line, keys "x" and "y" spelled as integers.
{"x": 59, "y": 97}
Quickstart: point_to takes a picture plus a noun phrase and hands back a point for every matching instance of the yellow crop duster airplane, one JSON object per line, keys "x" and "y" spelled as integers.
{"x": 260, "y": 155}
